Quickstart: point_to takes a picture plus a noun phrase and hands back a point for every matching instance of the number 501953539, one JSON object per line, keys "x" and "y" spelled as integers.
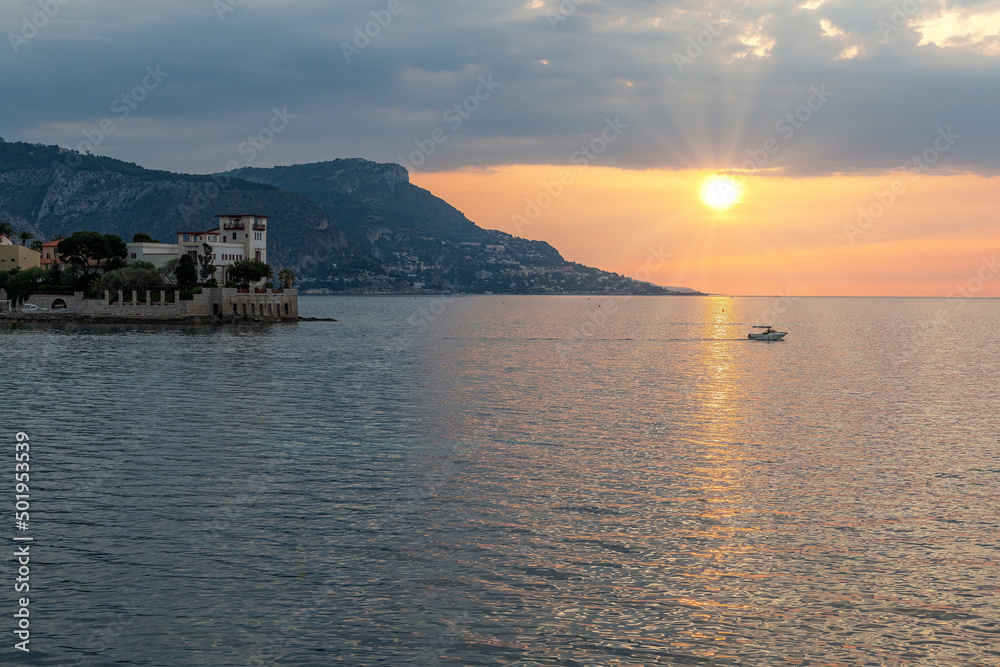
{"x": 21, "y": 469}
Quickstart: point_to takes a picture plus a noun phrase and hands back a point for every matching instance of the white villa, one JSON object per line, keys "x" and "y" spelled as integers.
{"x": 237, "y": 237}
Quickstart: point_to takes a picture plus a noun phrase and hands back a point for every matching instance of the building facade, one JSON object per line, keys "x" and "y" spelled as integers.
{"x": 50, "y": 253}
{"x": 15, "y": 256}
{"x": 236, "y": 237}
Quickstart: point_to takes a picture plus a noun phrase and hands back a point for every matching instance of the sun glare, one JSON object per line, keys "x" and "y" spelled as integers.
{"x": 720, "y": 192}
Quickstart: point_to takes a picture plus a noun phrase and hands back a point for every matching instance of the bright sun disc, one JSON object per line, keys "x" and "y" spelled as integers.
{"x": 720, "y": 192}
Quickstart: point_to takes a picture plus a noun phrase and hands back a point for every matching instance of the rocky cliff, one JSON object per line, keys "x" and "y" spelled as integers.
{"x": 343, "y": 225}
{"x": 53, "y": 192}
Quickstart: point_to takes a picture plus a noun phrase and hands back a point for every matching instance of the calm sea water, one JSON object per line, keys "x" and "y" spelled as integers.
{"x": 515, "y": 481}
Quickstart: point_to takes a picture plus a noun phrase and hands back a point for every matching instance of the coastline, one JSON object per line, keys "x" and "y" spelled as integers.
{"x": 81, "y": 318}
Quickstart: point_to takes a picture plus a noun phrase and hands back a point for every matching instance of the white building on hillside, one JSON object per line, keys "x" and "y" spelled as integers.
{"x": 237, "y": 237}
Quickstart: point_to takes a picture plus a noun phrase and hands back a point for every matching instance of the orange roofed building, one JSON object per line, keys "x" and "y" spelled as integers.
{"x": 50, "y": 253}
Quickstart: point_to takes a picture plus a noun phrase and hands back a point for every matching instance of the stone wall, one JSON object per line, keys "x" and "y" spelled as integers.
{"x": 213, "y": 304}
{"x": 258, "y": 303}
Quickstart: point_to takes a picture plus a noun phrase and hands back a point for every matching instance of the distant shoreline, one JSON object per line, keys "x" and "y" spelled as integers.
{"x": 453, "y": 294}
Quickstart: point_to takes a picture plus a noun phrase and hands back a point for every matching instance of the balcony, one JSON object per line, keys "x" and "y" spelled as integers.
{"x": 229, "y": 226}
{"x": 259, "y": 227}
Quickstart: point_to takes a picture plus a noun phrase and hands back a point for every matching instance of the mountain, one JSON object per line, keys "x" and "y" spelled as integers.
{"x": 426, "y": 241}
{"x": 345, "y": 226}
{"x": 53, "y": 192}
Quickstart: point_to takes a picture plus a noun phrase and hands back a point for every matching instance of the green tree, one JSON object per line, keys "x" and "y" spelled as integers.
{"x": 84, "y": 249}
{"x": 54, "y": 275}
{"x": 23, "y": 283}
{"x": 114, "y": 263}
{"x": 117, "y": 248}
{"x": 246, "y": 271}
{"x": 74, "y": 277}
{"x": 168, "y": 272}
{"x": 187, "y": 272}
{"x": 287, "y": 277}
{"x": 36, "y": 245}
{"x": 6, "y": 229}
{"x": 206, "y": 262}
{"x": 131, "y": 278}
{"x": 143, "y": 237}
{"x": 25, "y": 237}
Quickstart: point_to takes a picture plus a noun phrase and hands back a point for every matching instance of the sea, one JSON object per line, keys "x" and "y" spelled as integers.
{"x": 510, "y": 480}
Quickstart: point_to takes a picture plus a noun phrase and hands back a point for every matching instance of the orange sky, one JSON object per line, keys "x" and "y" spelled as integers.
{"x": 798, "y": 236}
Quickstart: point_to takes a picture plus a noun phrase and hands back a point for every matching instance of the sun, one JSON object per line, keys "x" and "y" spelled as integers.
{"x": 720, "y": 192}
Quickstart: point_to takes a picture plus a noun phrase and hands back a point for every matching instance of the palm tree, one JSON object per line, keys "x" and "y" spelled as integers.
{"x": 287, "y": 277}
{"x": 25, "y": 237}
{"x": 6, "y": 229}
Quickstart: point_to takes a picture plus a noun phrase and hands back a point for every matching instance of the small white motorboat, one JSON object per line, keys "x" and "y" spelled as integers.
{"x": 767, "y": 333}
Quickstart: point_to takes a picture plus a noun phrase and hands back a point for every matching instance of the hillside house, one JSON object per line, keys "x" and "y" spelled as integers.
{"x": 237, "y": 236}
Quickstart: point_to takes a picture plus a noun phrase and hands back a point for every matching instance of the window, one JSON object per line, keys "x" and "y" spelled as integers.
{"x": 133, "y": 255}
{"x": 223, "y": 239}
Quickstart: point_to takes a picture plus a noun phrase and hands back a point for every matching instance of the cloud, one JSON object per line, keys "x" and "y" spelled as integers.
{"x": 560, "y": 79}
{"x": 975, "y": 27}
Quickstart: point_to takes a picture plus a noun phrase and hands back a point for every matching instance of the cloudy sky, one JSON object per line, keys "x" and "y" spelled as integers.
{"x": 861, "y": 137}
